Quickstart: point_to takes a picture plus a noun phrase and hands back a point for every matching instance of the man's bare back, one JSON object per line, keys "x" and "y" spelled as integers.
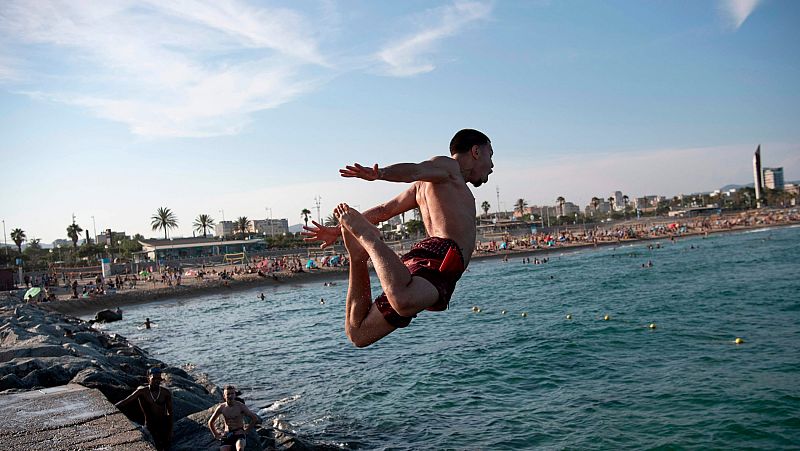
{"x": 424, "y": 278}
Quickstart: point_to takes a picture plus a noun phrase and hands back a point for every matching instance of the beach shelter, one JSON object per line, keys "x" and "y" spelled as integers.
{"x": 32, "y": 293}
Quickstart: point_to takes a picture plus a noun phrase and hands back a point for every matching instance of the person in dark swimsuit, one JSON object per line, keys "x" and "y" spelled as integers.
{"x": 424, "y": 278}
{"x": 156, "y": 404}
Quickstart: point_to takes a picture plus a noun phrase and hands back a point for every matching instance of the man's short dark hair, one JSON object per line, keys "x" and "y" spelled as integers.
{"x": 464, "y": 140}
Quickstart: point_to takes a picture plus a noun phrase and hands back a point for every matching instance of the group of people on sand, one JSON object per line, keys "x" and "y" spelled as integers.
{"x": 155, "y": 404}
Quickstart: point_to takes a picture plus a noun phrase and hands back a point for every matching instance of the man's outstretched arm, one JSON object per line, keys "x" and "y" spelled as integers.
{"x": 435, "y": 170}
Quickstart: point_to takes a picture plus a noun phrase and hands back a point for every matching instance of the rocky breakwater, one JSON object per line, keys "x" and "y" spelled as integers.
{"x": 41, "y": 349}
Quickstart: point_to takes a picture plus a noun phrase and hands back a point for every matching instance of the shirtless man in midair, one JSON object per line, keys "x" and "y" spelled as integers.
{"x": 424, "y": 278}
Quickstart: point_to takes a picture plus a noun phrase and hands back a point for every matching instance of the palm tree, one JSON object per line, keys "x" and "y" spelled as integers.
{"x": 164, "y": 219}
{"x": 304, "y": 213}
{"x": 485, "y": 206}
{"x": 625, "y": 200}
{"x": 611, "y": 201}
{"x": 18, "y": 236}
{"x": 203, "y": 223}
{"x": 74, "y": 233}
{"x": 242, "y": 225}
{"x": 560, "y": 201}
{"x": 520, "y": 206}
{"x": 331, "y": 221}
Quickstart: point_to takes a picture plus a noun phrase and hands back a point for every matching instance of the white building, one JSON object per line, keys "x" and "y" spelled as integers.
{"x": 271, "y": 227}
{"x": 224, "y": 228}
{"x": 773, "y": 178}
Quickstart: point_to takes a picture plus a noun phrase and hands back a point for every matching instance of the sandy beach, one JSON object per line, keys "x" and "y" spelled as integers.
{"x": 190, "y": 286}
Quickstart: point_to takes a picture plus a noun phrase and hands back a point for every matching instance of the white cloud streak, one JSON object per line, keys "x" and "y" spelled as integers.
{"x": 407, "y": 57}
{"x": 737, "y": 11}
{"x": 183, "y": 68}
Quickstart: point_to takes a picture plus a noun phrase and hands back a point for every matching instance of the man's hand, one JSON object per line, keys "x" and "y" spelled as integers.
{"x": 361, "y": 172}
{"x": 328, "y": 235}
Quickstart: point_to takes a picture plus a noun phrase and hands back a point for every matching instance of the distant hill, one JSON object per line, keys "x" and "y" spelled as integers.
{"x": 297, "y": 227}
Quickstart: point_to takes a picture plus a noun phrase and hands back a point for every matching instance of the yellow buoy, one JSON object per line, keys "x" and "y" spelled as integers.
{"x": 606, "y": 318}
{"x": 569, "y": 316}
{"x": 738, "y": 341}
{"x": 524, "y": 314}
{"x": 652, "y": 325}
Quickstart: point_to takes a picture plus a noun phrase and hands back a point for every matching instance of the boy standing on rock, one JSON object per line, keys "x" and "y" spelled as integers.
{"x": 156, "y": 404}
{"x": 233, "y": 412}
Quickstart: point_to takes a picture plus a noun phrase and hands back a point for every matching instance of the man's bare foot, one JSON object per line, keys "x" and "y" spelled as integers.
{"x": 357, "y": 252}
{"x": 354, "y": 221}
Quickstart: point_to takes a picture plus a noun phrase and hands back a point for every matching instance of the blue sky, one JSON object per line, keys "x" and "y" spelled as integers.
{"x": 113, "y": 109}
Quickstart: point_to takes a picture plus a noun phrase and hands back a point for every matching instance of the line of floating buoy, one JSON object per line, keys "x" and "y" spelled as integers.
{"x": 738, "y": 341}
{"x": 652, "y": 325}
{"x": 569, "y": 316}
{"x": 607, "y": 318}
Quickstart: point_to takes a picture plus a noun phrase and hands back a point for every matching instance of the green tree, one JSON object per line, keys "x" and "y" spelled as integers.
{"x": 415, "y": 227}
{"x": 18, "y": 237}
{"x": 520, "y": 206}
{"x": 74, "y": 233}
{"x": 242, "y": 225}
{"x": 164, "y": 219}
{"x": 560, "y": 201}
{"x": 331, "y": 221}
{"x": 203, "y": 223}
{"x": 485, "y": 206}
{"x": 304, "y": 213}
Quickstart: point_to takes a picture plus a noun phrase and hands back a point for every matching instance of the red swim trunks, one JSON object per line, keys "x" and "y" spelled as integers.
{"x": 437, "y": 260}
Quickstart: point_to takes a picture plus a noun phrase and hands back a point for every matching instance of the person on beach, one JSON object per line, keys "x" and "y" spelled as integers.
{"x": 423, "y": 278}
{"x": 233, "y": 411}
{"x": 156, "y": 404}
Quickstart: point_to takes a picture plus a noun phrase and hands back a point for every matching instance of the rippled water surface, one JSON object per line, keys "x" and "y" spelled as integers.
{"x": 488, "y": 380}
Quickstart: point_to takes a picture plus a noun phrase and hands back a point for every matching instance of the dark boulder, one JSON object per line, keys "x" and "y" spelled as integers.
{"x": 108, "y": 316}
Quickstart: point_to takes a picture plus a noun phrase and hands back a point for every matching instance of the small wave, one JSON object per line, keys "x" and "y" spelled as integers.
{"x": 280, "y": 404}
{"x": 757, "y": 230}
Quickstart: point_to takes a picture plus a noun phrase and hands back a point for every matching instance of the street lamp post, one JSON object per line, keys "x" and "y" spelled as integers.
{"x": 5, "y": 239}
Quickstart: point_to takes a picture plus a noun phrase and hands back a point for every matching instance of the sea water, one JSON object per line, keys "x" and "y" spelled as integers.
{"x": 490, "y": 380}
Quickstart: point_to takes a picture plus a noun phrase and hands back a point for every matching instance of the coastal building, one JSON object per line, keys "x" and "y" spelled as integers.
{"x": 158, "y": 250}
{"x": 569, "y": 209}
{"x": 757, "y": 180}
{"x": 223, "y": 228}
{"x": 271, "y": 227}
{"x": 619, "y": 201}
{"x": 773, "y": 178}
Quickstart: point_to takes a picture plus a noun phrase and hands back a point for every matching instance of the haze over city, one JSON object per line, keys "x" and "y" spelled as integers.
{"x": 111, "y": 110}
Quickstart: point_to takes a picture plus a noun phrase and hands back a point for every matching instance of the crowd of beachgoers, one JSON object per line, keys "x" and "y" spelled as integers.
{"x": 642, "y": 229}
{"x": 79, "y": 285}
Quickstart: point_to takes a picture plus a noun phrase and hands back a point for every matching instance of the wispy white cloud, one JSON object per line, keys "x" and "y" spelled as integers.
{"x": 191, "y": 68}
{"x": 408, "y": 56}
{"x": 182, "y": 68}
{"x": 737, "y": 11}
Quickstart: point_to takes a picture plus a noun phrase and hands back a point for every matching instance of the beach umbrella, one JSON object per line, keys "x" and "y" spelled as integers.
{"x": 32, "y": 293}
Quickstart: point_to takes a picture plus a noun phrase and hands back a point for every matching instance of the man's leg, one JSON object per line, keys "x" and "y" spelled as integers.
{"x": 363, "y": 322}
{"x": 408, "y": 295}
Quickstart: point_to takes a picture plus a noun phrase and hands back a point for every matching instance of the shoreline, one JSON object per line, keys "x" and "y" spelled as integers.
{"x": 144, "y": 295}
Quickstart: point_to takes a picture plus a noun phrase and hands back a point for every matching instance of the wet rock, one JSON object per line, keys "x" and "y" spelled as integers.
{"x": 108, "y": 316}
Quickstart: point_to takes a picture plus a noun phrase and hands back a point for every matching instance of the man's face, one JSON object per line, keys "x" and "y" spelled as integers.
{"x": 229, "y": 394}
{"x": 154, "y": 379}
{"x": 483, "y": 167}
